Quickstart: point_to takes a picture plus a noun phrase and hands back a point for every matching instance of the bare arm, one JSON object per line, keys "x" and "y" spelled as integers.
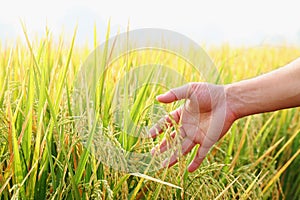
{"x": 276, "y": 90}
{"x": 211, "y": 109}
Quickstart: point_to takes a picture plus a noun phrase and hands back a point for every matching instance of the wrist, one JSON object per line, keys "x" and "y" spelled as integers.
{"x": 240, "y": 100}
{"x": 230, "y": 102}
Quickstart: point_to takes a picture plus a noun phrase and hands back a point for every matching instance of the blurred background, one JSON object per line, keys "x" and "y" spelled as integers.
{"x": 211, "y": 22}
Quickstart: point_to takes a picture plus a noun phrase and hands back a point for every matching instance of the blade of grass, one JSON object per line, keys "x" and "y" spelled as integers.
{"x": 227, "y": 187}
{"x": 278, "y": 174}
{"x": 159, "y": 187}
{"x": 6, "y": 76}
{"x": 37, "y": 71}
{"x": 141, "y": 181}
{"x": 242, "y": 141}
{"x": 64, "y": 73}
{"x": 17, "y": 164}
{"x": 37, "y": 145}
{"x": 269, "y": 150}
{"x": 84, "y": 157}
{"x": 120, "y": 183}
{"x": 144, "y": 176}
{"x": 26, "y": 144}
{"x": 290, "y": 140}
{"x": 264, "y": 128}
{"x": 103, "y": 68}
{"x": 54, "y": 119}
{"x": 228, "y": 157}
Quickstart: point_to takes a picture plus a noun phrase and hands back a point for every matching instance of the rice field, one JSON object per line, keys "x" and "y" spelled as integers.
{"x": 43, "y": 153}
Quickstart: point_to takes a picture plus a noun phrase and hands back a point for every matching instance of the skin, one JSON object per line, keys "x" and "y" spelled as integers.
{"x": 210, "y": 110}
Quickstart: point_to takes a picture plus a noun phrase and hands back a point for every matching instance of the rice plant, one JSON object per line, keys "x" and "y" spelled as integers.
{"x": 44, "y": 155}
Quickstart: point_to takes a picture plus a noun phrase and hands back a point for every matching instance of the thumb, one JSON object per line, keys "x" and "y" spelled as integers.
{"x": 175, "y": 94}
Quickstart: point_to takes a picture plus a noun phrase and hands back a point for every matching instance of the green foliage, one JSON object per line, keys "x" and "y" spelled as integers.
{"x": 42, "y": 155}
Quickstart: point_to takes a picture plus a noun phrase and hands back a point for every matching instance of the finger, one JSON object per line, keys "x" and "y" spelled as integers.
{"x": 169, "y": 162}
{"x": 187, "y": 146}
{"x": 172, "y": 161}
{"x": 165, "y": 122}
{"x": 175, "y": 94}
{"x": 164, "y": 145}
{"x": 201, "y": 153}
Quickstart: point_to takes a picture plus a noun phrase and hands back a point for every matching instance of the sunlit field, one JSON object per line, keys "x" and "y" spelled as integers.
{"x": 42, "y": 151}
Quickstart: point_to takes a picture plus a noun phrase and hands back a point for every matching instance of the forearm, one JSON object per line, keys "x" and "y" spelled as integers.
{"x": 276, "y": 90}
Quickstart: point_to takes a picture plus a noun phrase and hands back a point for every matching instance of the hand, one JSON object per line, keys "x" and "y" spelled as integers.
{"x": 204, "y": 118}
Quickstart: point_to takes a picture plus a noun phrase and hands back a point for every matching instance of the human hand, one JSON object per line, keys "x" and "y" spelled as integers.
{"x": 204, "y": 118}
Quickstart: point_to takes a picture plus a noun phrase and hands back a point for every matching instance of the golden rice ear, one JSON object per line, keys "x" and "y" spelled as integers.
{"x": 44, "y": 155}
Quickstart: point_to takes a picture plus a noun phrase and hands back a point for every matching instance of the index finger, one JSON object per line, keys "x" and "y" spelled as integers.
{"x": 175, "y": 94}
